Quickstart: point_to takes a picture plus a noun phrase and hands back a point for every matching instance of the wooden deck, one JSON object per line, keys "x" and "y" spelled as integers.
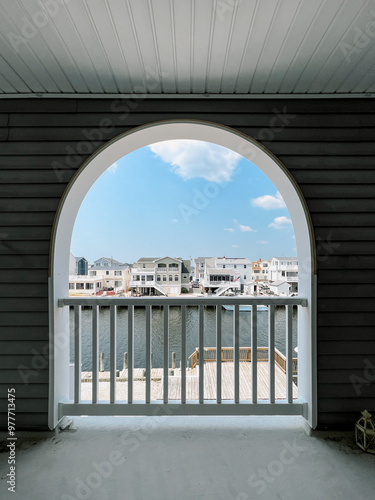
{"x": 192, "y": 382}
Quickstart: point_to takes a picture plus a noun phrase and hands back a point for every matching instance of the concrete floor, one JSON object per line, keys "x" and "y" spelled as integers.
{"x": 181, "y": 458}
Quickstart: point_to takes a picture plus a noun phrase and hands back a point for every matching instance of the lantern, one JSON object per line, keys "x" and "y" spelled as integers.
{"x": 365, "y": 433}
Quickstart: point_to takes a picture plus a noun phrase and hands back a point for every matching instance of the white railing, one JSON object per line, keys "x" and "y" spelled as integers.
{"x": 272, "y": 406}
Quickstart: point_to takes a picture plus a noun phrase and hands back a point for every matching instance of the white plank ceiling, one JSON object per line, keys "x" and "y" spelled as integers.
{"x": 246, "y": 47}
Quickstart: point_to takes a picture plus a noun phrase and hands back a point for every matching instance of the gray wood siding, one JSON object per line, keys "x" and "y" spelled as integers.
{"x": 327, "y": 145}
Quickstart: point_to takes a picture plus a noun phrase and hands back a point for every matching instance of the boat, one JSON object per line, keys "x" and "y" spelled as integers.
{"x": 246, "y": 308}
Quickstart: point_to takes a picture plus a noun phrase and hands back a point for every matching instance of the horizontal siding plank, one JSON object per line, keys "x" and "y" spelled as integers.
{"x": 345, "y": 276}
{"x": 22, "y": 233}
{"x": 23, "y": 318}
{"x": 321, "y": 106}
{"x": 3, "y": 134}
{"x": 27, "y": 219}
{"x": 347, "y": 262}
{"x": 346, "y": 347}
{"x": 345, "y": 332}
{"x": 30, "y": 304}
{"x": 32, "y": 190}
{"x": 337, "y": 421}
{"x": 28, "y": 421}
{"x": 338, "y": 405}
{"x": 24, "y": 261}
{"x": 32, "y": 361}
{"x": 24, "y": 276}
{"x": 355, "y": 176}
{"x": 347, "y": 362}
{"x": 338, "y": 190}
{"x": 26, "y": 347}
{"x": 28, "y": 391}
{"x": 16, "y": 162}
{"x": 44, "y": 176}
{"x": 346, "y": 318}
{"x": 343, "y": 220}
{"x": 331, "y": 247}
{"x": 341, "y": 375}
{"x": 268, "y": 119}
{"x": 71, "y": 148}
{"x": 321, "y": 134}
{"x": 345, "y": 390}
{"x": 339, "y": 162}
{"x": 4, "y": 119}
{"x": 21, "y": 333}
{"x": 24, "y": 290}
{"x": 26, "y": 405}
{"x": 23, "y": 375}
{"x": 354, "y": 304}
{"x": 29, "y": 204}
{"x": 34, "y": 105}
{"x": 27, "y": 247}
{"x": 338, "y": 290}
{"x": 321, "y": 148}
{"x": 345, "y": 233}
{"x": 343, "y": 206}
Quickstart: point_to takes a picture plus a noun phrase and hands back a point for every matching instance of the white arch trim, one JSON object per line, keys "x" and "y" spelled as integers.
{"x": 144, "y": 136}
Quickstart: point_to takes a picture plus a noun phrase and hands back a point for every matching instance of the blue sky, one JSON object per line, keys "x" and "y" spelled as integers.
{"x": 183, "y": 199}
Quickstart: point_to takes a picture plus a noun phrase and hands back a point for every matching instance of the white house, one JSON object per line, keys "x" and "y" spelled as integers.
{"x": 260, "y": 269}
{"x": 221, "y": 274}
{"x": 160, "y": 276}
{"x": 116, "y": 275}
{"x": 284, "y": 269}
{"x": 280, "y": 287}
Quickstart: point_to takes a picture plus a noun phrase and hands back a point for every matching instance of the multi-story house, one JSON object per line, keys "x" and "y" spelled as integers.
{"x": 222, "y": 274}
{"x": 116, "y": 275}
{"x": 160, "y": 276}
{"x": 285, "y": 269}
{"x": 259, "y": 270}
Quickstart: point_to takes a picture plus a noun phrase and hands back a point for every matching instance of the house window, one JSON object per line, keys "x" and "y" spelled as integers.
{"x": 265, "y": 265}
{"x": 92, "y": 273}
{"x": 173, "y": 267}
{"x": 105, "y": 264}
{"x": 176, "y": 277}
{"x": 256, "y": 272}
{"x": 244, "y": 277}
{"x": 164, "y": 278}
{"x": 170, "y": 277}
{"x": 118, "y": 273}
{"x": 71, "y": 286}
{"x": 107, "y": 273}
{"x": 244, "y": 266}
{"x": 98, "y": 264}
{"x": 235, "y": 266}
{"x": 79, "y": 286}
{"x": 89, "y": 286}
{"x": 282, "y": 273}
{"x": 162, "y": 265}
{"x": 118, "y": 283}
{"x": 136, "y": 277}
{"x": 158, "y": 277}
{"x": 223, "y": 266}
{"x": 98, "y": 285}
{"x": 150, "y": 277}
{"x": 143, "y": 277}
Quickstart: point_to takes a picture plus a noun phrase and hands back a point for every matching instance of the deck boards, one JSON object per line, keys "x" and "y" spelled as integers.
{"x": 192, "y": 383}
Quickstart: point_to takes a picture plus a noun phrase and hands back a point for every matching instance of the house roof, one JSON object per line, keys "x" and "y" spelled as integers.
{"x": 234, "y": 48}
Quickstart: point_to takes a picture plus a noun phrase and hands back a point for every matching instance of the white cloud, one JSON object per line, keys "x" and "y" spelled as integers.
{"x": 280, "y": 223}
{"x": 244, "y": 229}
{"x": 262, "y": 242}
{"x": 230, "y": 229}
{"x": 174, "y": 220}
{"x": 235, "y": 246}
{"x": 269, "y": 202}
{"x": 113, "y": 168}
{"x": 191, "y": 159}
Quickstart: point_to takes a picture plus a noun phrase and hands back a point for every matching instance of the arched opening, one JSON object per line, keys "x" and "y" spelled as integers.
{"x": 129, "y": 142}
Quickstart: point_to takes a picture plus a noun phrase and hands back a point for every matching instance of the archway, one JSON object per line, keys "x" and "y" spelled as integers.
{"x": 138, "y": 138}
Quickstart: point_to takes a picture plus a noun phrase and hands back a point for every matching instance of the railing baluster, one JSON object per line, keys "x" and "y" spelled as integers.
{"x": 271, "y": 352}
{"x": 183, "y": 354}
{"x": 254, "y": 353}
{"x": 201, "y": 352}
{"x": 77, "y": 354}
{"x": 95, "y": 352}
{"x": 130, "y": 352}
{"x": 112, "y": 353}
{"x": 166, "y": 353}
{"x": 218, "y": 353}
{"x": 289, "y": 354}
{"x": 148, "y": 353}
{"x": 236, "y": 352}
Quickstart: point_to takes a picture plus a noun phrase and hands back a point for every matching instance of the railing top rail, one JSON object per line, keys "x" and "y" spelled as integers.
{"x": 178, "y": 301}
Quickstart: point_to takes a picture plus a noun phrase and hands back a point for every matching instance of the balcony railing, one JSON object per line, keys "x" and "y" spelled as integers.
{"x": 233, "y": 356}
